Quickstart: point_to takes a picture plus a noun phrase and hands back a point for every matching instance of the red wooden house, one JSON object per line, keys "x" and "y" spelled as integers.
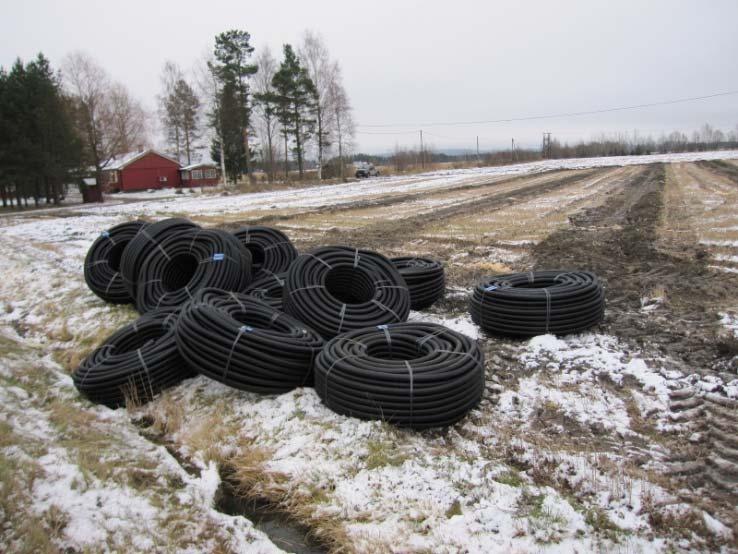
{"x": 199, "y": 175}
{"x": 144, "y": 170}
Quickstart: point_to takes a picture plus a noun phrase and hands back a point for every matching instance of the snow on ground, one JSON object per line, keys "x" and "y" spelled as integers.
{"x": 730, "y": 322}
{"x": 508, "y": 478}
{"x": 333, "y": 195}
{"x": 97, "y": 484}
{"x": 461, "y": 324}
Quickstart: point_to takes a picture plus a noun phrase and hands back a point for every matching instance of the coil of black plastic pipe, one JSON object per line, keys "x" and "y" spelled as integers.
{"x": 268, "y": 289}
{"x": 143, "y": 243}
{"x": 244, "y": 343}
{"x": 102, "y": 262}
{"x": 538, "y": 302}
{"x": 135, "y": 363}
{"x": 413, "y": 374}
{"x": 190, "y": 260}
{"x": 425, "y": 279}
{"x": 271, "y": 250}
{"x": 335, "y": 289}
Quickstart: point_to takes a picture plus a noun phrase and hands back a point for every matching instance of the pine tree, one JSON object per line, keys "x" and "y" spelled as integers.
{"x": 181, "y": 116}
{"x": 224, "y": 120}
{"x": 188, "y": 104}
{"x": 39, "y": 151}
{"x": 232, "y": 68}
{"x": 295, "y": 97}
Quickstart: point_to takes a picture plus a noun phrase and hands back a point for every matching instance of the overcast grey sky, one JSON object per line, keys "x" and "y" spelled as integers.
{"x": 409, "y": 63}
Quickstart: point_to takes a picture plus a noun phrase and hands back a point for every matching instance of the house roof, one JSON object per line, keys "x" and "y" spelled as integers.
{"x": 119, "y": 162}
{"x": 199, "y": 164}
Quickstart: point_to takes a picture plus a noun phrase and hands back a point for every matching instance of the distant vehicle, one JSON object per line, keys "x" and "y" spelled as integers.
{"x": 364, "y": 170}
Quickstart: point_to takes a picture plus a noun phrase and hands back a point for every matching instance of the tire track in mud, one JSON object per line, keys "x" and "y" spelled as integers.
{"x": 389, "y": 232}
{"x": 721, "y": 168}
{"x": 618, "y": 241}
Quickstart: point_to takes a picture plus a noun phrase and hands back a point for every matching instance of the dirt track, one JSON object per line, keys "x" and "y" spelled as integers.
{"x": 619, "y": 242}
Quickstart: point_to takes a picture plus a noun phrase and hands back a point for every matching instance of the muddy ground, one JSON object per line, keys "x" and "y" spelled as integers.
{"x": 626, "y": 433}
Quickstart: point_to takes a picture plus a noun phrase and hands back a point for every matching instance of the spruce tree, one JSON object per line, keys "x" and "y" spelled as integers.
{"x": 295, "y": 97}
{"x": 233, "y": 69}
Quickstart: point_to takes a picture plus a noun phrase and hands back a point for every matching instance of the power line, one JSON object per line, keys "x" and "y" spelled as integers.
{"x": 551, "y": 116}
{"x": 386, "y": 132}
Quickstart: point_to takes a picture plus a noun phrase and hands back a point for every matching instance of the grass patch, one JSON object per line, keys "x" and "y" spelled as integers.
{"x": 511, "y": 478}
{"x": 383, "y": 453}
{"x": 545, "y": 524}
{"x": 454, "y": 509}
{"x": 597, "y": 519}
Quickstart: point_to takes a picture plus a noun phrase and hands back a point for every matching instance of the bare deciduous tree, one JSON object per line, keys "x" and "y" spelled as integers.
{"x": 170, "y": 74}
{"x": 341, "y": 116}
{"x": 267, "y": 120}
{"x": 109, "y": 121}
{"x": 208, "y": 86}
{"x": 321, "y": 69}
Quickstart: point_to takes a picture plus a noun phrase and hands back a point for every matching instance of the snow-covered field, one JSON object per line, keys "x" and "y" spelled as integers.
{"x": 568, "y": 451}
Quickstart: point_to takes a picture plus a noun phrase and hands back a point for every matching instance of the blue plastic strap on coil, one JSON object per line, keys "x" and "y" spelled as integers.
{"x": 218, "y": 257}
{"x": 105, "y": 234}
{"x": 245, "y": 329}
{"x": 491, "y": 288}
{"x": 382, "y": 327}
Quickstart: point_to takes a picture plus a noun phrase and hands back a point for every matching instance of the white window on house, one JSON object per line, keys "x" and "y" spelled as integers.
{"x": 162, "y": 179}
{"x": 185, "y": 175}
{"x": 113, "y": 177}
{"x": 197, "y": 173}
{"x": 210, "y": 174}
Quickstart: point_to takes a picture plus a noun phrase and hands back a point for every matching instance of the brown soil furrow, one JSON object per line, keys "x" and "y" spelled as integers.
{"x": 618, "y": 241}
{"x": 385, "y": 200}
{"x": 389, "y": 232}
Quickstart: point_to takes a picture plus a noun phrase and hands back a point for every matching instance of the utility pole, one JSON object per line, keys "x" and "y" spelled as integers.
{"x": 422, "y": 152}
{"x": 478, "y": 150}
{"x": 512, "y": 150}
{"x": 546, "y": 147}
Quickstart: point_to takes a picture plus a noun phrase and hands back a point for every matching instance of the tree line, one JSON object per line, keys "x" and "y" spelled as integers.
{"x": 635, "y": 144}
{"x": 39, "y": 148}
{"x": 403, "y": 159}
{"x": 260, "y": 113}
{"x": 249, "y": 110}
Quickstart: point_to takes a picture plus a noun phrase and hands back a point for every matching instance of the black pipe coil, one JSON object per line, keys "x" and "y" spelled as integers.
{"x": 268, "y": 289}
{"x": 103, "y": 260}
{"x": 190, "y": 260}
{"x": 335, "y": 289}
{"x": 243, "y": 343}
{"x": 271, "y": 250}
{"x": 135, "y": 363}
{"x": 412, "y": 374}
{"x": 538, "y": 302}
{"x": 425, "y": 279}
{"x": 143, "y": 243}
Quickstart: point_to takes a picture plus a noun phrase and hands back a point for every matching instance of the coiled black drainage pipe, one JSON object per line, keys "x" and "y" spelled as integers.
{"x": 269, "y": 289}
{"x": 425, "y": 279}
{"x": 190, "y": 260}
{"x": 412, "y": 374}
{"x": 243, "y": 343}
{"x": 102, "y": 262}
{"x": 539, "y": 302}
{"x": 143, "y": 243}
{"x": 271, "y": 250}
{"x": 335, "y": 289}
{"x": 135, "y": 363}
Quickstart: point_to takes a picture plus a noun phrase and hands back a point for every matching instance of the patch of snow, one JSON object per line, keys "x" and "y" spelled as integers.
{"x": 462, "y": 324}
{"x": 716, "y": 527}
